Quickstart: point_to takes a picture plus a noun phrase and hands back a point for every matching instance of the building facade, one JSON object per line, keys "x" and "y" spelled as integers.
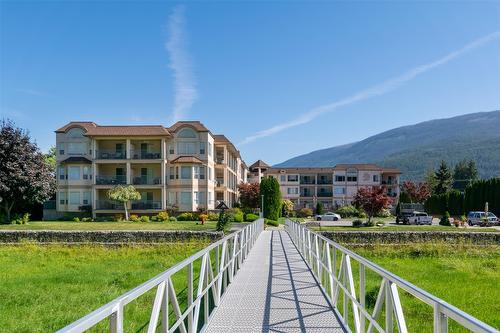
{"x": 184, "y": 167}
{"x": 333, "y": 187}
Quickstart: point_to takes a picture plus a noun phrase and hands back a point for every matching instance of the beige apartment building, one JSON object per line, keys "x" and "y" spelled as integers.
{"x": 333, "y": 187}
{"x": 183, "y": 167}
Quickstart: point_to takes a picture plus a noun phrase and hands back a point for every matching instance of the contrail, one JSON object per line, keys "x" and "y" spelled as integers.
{"x": 377, "y": 90}
{"x": 181, "y": 65}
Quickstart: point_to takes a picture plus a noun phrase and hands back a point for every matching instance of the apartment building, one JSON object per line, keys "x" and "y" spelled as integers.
{"x": 183, "y": 167}
{"x": 333, "y": 187}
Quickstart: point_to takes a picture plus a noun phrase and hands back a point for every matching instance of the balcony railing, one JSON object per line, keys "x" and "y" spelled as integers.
{"x": 325, "y": 194}
{"x": 306, "y": 194}
{"x": 143, "y": 155}
{"x": 219, "y": 182}
{"x": 219, "y": 160}
{"x": 111, "y": 180}
{"x": 146, "y": 204}
{"x": 145, "y": 180}
{"x": 109, "y": 205}
{"x": 325, "y": 181}
{"x": 111, "y": 154}
{"x": 308, "y": 181}
{"x": 389, "y": 182}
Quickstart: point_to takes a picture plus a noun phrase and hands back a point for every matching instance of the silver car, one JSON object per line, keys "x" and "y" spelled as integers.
{"x": 479, "y": 218}
{"x": 328, "y": 217}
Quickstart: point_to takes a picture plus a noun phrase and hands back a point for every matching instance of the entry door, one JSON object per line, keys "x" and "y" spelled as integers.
{"x": 144, "y": 150}
{"x": 144, "y": 175}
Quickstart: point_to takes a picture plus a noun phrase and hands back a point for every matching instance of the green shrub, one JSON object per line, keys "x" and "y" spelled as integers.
{"x": 305, "y": 212}
{"x": 445, "y": 219}
{"x": 118, "y": 218}
{"x": 87, "y": 219}
{"x": 348, "y": 211}
{"x": 251, "y": 217}
{"x": 134, "y": 218}
{"x": 76, "y": 219}
{"x": 271, "y": 222}
{"x": 187, "y": 216}
{"x": 369, "y": 224}
{"x": 238, "y": 217}
{"x": 224, "y": 222}
{"x": 384, "y": 213}
{"x": 270, "y": 190}
{"x": 161, "y": 217}
{"x": 144, "y": 218}
{"x": 357, "y": 223}
{"x": 21, "y": 219}
{"x": 172, "y": 219}
{"x": 319, "y": 208}
{"x": 213, "y": 216}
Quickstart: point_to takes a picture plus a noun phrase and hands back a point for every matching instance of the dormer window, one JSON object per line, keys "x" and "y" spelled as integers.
{"x": 187, "y": 133}
{"x": 75, "y": 133}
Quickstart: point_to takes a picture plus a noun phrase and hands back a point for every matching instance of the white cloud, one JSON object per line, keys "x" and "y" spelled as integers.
{"x": 377, "y": 90}
{"x": 181, "y": 65}
{"x": 33, "y": 92}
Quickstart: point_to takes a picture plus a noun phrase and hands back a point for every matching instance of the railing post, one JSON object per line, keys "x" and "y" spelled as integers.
{"x": 362, "y": 296}
{"x": 190, "y": 296}
{"x": 164, "y": 310}
{"x": 116, "y": 320}
{"x": 389, "y": 308}
{"x": 440, "y": 320}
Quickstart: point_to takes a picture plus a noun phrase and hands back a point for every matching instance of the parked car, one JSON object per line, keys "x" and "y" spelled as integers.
{"x": 479, "y": 218}
{"x": 419, "y": 218}
{"x": 407, "y": 210}
{"x": 328, "y": 217}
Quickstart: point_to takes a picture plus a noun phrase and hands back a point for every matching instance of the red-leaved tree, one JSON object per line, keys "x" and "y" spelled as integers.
{"x": 416, "y": 192}
{"x": 372, "y": 200}
{"x": 249, "y": 195}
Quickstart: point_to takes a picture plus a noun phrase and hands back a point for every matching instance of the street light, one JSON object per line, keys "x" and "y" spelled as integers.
{"x": 262, "y": 206}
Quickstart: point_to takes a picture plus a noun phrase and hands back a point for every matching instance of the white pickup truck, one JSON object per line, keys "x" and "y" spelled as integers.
{"x": 419, "y": 218}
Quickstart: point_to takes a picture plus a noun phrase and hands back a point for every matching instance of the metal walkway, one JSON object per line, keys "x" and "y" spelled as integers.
{"x": 274, "y": 292}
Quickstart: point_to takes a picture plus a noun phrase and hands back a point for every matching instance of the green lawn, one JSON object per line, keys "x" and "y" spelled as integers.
{"x": 70, "y": 225}
{"x": 44, "y": 288}
{"x": 406, "y": 228}
{"x": 465, "y": 276}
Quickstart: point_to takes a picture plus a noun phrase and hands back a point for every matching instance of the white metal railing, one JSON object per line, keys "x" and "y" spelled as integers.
{"x": 218, "y": 263}
{"x": 320, "y": 253}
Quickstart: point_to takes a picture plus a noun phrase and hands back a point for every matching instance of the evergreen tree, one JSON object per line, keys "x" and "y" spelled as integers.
{"x": 319, "y": 208}
{"x": 464, "y": 173}
{"x": 442, "y": 178}
{"x": 270, "y": 189}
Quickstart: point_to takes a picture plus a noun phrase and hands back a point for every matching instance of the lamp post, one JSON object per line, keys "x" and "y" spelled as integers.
{"x": 262, "y": 205}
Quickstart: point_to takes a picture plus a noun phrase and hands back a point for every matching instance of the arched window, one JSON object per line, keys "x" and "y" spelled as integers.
{"x": 187, "y": 133}
{"x": 75, "y": 132}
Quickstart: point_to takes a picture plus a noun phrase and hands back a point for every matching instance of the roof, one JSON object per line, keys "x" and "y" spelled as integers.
{"x": 259, "y": 164}
{"x": 300, "y": 170}
{"x": 187, "y": 159}
{"x": 76, "y": 159}
{"x": 338, "y": 167}
{"x": 195, "y": 124}
{"x": 93, "y": 129}
{"x": 222, "y": 139}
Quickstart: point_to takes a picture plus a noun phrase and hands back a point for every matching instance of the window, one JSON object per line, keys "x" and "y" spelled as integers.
{"x": 352, "y": 178}
{"x": 339, "y": 190}
{"x": 340, "y": 178}
{"x": 186, "y": 148}
{"x": 171, "y": 149}
{"x": 210, "y": 173}
{"x": 63, "y": 198}
{"x": 186, "y": 172}
{"x": 75, "y": 133}
{"x": 210, "y": 149}
{"x": 76, "y": 148}
{"x": 293, "y": 190}
{"x": 172, "y": 198}
{"x": 375, "y": 179}
{"x": 282, "y": 178}
{"x": 199, "y": 172}
{"x": 203, "y": 147}
{"x": 60, "y": 148}
{"x": 171, "y": 173}
{"x": 74, "y": 198}
{"x": 86, "y": 173}
{"x": 187, "y": 133}
{"x": 62, "y": 173}
{"x": 186, "y": 198}
{"x": 74, "y": 173}
{"x": 210, "y": 197}
{"x": 86, "y": 198}
{"x": 293, "y": 178}
{"x": 199, "y": 198}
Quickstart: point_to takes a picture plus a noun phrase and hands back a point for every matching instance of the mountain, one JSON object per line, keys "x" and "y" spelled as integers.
{"x": 418, "y": 148}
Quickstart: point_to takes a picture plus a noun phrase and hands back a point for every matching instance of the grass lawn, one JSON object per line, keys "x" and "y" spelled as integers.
{"x": 465, "y": 276}
{"x": 44, "y": 288}
{"x": 406, "y": 228}
{"x": 70, "y": 225}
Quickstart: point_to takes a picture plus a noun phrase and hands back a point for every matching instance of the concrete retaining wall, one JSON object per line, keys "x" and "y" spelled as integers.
{"x": 408, "y": 237}
{"x": 111, "y": 237}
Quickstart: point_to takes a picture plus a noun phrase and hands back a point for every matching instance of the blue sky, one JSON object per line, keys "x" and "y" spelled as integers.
{"x": 249, "y": 70}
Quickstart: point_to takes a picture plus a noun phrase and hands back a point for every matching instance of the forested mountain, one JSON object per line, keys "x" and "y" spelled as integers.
{"x": 417, "y": 148}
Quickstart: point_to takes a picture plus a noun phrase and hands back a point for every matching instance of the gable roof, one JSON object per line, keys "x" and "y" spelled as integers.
{"x": 93, "y": 129}
{"x": 195, "y": 124}
{"x": 187, "y": 159}
{"x": 259, "y": 164}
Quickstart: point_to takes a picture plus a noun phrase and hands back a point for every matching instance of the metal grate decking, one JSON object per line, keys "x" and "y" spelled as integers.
{"x": 274, "y": 292}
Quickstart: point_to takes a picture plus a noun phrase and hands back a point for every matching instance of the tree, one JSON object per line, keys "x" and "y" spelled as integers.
{"x": 249, "y": 195}
{"x": 464, "y": 173}
{"x": 124, "y": 194}
{"x": 319, "y": 208}
{"x": 270, "y": 189}
{"x": 442, "y": 178}
{"x": 372, "y": 200}
{"x": 287, "y": 207}
{"x": 25, "y": 177}
{"x": 416, "y": 192}
{"x": 50, "y": 159}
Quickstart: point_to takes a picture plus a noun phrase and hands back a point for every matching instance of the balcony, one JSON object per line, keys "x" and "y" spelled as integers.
{"x": 389, "y": 182}
{"x": 111, "y": 154}
{"x": 325, "y": 194}
{"x": 219, "y": 160}
{"x": 306, "y": 194}
{"x": 146, "y": 180}
{"x": 145, "y": 155}
{"x": 111, "y": 180}
{"x": 219, "y": 182}
{"x": 109, "y": 205}
{"x": 325, "y": 182}
{"x": 141, "y": 205}
{"x": 307, "y": 180}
